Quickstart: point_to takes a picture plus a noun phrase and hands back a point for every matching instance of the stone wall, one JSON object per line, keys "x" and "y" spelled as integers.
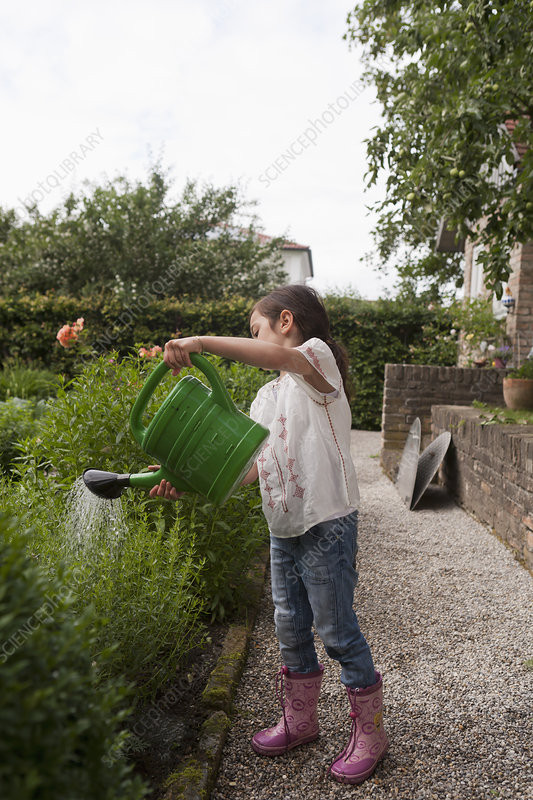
{"x": 410, "y": 391}
{"x": 489, "y": 471}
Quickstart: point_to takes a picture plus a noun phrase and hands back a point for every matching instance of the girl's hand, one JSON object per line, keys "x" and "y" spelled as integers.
{"x": 176, "y": 355}
{"x": 164, "y": 489}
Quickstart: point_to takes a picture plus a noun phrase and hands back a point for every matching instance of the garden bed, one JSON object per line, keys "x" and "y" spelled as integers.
{"x": 163, "y": 584}
{"x": 166, "y": 731}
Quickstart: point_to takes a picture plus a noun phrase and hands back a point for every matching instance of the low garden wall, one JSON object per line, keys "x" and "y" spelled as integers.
{"x": 489, "y": 471}
{"x": 410, "y": 390}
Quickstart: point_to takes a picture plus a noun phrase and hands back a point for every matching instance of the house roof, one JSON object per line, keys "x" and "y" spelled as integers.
{"x": 287, "y": 245}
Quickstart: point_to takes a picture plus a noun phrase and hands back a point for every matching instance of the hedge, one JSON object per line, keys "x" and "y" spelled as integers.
{"x": 373, "y": 332}
{"x": 60, "y": 728}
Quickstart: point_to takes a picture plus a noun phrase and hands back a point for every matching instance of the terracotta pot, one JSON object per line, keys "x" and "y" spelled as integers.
{"x": 518, "y": 393}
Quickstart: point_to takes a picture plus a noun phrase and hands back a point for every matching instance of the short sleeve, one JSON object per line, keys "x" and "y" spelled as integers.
{"x": 322, "y": 359}
{"x": 254, "y": 409}
{"x": 257, "y": 407}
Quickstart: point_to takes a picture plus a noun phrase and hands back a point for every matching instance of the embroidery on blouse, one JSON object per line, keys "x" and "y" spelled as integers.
{"x": 283, "y": 435}
{"x": 264, "y": 476}
{"x": 298, "y": 490}
{"x": 316, "y": 363}
{"x": 339, "y": 450}
{"x": 281, "y": 482}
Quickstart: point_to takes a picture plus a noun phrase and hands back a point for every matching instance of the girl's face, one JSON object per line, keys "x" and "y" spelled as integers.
{"x": 261, "y": 329}
{"x": 282, "y": 332}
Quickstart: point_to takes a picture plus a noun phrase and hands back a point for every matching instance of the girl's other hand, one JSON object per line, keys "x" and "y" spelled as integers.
{"x": 164, "y": 489}
{"x": 176, "y": 355}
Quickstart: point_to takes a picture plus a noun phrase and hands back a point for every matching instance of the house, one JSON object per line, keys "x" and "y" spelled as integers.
{"x": 297, "y": 259}
{"x": 519, "y": 322}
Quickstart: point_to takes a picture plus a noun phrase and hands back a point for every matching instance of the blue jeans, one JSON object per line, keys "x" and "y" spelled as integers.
{"x": 313, "y": 579}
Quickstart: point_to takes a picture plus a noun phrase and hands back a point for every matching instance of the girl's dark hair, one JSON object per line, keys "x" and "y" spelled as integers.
{"x": 309, "y": 315}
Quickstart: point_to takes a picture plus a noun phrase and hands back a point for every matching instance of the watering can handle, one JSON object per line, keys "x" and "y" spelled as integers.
{"x": 219, "y": 394}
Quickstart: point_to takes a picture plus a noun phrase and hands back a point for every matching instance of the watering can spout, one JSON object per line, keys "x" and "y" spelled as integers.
{"x": 108, "y": 485}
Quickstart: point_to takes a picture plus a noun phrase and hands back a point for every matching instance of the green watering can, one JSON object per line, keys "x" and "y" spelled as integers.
{"x": 202, "y": 441}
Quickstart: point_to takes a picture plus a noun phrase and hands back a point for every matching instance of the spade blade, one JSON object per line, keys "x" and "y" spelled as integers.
{"x": 405, "y": 482}
{"x": 428, "y": 464}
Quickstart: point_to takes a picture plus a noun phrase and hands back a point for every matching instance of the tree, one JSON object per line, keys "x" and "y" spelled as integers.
{"x": 448, "y": 76}
{"x": 129, "y": 237}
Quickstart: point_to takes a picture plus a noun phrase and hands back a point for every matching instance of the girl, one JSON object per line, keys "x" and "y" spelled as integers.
{"x": 310, "y": 497}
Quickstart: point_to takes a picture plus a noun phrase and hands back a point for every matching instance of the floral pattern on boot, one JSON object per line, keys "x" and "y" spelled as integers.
{"x": 299, "y": 723}
{"x": 368, "y": 741}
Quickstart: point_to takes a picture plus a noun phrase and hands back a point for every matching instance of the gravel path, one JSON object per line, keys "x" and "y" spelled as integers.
{"x": 448, "y": 614}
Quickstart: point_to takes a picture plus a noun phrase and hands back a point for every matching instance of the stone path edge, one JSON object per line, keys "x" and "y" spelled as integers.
{"x": 196, "y": 777}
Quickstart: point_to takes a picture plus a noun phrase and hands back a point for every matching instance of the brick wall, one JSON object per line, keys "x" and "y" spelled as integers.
{"x": 411, "y": 390}
{"x": 519, "y": 322}
{"x": 489, "y": 471}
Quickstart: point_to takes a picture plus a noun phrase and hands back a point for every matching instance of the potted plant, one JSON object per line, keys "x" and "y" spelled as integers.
{"x": 500, "y": 356}
{"x": 518, "y": 387}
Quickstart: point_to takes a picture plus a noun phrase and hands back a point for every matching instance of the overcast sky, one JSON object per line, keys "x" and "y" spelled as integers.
{"x": 265, "y": 94}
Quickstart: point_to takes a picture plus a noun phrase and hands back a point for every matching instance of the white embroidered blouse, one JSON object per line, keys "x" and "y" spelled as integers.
{"x": 306, "y": 472}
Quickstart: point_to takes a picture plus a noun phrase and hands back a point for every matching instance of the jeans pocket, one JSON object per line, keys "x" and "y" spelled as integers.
{"x": 327, "y": 532}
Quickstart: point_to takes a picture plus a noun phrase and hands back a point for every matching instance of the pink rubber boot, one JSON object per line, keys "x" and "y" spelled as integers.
{"x": 368, "y": 740}
{"x": 299, "y": 723}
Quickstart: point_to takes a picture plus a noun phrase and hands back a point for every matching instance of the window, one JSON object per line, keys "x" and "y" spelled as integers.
{"x": 476, "y": 276}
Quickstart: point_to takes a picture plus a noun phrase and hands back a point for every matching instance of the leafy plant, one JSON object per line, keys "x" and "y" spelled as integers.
{"x": 17, "y": 422}
{"x": 503, "y": 416}
{"x": 20, "y": 380}
{"x": 228, "y": 538}
{"x": 448, "y": 77}
{"x": 62, "y": 724}
{"x": 132, "y": 240}
{"x": 525, "y": 371}
{"x": 173, "y": 564}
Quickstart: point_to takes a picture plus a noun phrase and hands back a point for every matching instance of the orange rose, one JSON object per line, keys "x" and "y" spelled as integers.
{"x": 66, "y": 335}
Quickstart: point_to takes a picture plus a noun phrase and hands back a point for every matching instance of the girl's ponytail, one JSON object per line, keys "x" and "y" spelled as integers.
{"x": 310, "y": 316}
{"x": 341, "y": 357}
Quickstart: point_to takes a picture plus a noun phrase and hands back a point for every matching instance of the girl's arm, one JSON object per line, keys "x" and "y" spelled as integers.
{"x": 266, "y": 355}
{"x": 168, "y": 492}
{"x": 251, "y": 476}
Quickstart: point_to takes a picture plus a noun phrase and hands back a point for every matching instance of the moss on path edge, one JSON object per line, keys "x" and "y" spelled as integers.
{"x": 195, "y": 778}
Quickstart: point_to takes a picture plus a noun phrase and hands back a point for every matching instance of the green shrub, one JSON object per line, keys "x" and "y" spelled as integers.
{"x": 525, "y": 371}
{"x": 60, "y": 729}
{"x": 17, "y": 422}
{"x": 19, "y": 380}
{"x": 375, "y": 333}
{"x": 382, "y": 332}
{"x": 176, "y": 562}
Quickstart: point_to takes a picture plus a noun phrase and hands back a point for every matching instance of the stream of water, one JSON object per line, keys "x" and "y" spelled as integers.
{"x": 92, "y": 522}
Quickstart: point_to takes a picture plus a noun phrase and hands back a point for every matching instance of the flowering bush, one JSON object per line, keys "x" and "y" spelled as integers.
{"x": 151, "y": 353}
{"x": 69, "y": 333}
